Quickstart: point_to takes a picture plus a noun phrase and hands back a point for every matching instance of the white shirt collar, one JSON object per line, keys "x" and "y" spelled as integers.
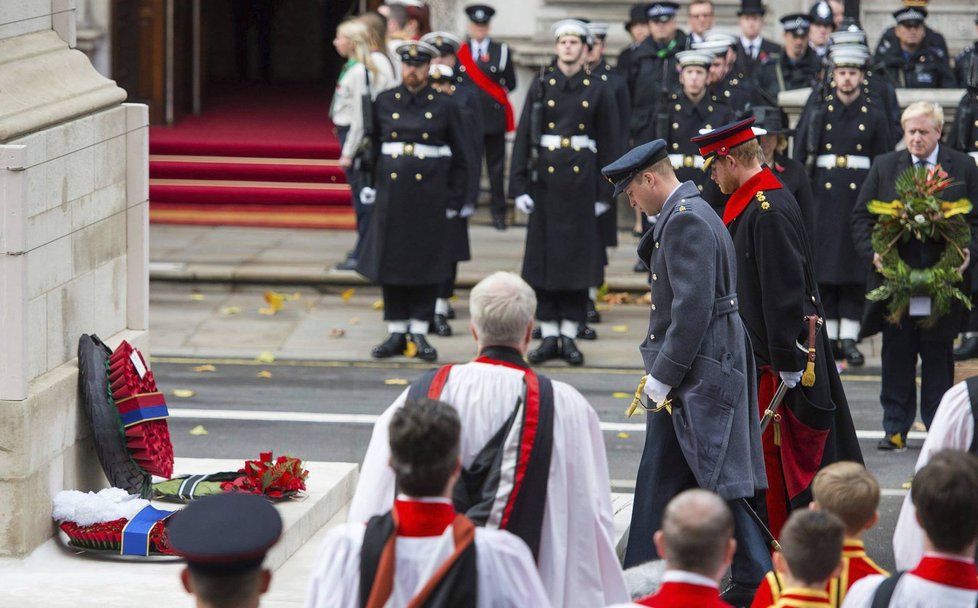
{"x": 747, "y": 42}
{"x": 931, "y": 160}
{"x": 691, "y": 578}
{"x": 441, "y": 499}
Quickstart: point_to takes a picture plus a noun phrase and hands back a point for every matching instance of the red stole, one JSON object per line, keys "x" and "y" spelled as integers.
{"x": 493, "y": 89}
{"x": 738, "y": 201}
{"x": 950, "y": 572}
{"x": 420, "y": 519}
{"x": 676, "y": 594}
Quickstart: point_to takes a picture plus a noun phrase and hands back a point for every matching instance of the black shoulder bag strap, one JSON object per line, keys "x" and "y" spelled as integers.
{"x": 379, "y": 529}
{"x": 881, "y": 599}
{"x": 972, "y": 383}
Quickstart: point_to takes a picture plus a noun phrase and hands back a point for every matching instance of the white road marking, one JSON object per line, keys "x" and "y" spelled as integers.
{"x": 325, "y": 418}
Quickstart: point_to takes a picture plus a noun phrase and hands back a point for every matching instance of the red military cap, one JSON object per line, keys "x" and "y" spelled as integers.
{"x": 721, "y": 140}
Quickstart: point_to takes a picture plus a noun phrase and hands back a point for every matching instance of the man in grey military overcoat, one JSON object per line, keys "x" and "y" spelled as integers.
{"x": 697, "y": 354}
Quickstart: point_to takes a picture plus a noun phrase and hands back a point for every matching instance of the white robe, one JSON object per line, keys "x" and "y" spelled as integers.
{"x": 953, "y": 427}
{"x": 577, "y": 560}
{"x": 504, "y": 569}
{"x": 911, "y": 592}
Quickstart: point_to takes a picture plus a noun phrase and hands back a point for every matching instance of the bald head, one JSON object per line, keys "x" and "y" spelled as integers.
{"x": 697, "y": 529}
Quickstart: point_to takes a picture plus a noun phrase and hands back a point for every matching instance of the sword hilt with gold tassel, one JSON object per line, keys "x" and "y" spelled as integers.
{"x": 814, "y": 324}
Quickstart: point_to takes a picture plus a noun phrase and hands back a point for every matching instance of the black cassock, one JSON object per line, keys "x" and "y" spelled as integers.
{"x": 405, "y": 242}
{"x": 564, "y": 251}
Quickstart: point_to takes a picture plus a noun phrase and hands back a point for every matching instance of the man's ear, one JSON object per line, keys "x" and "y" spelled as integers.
{"x": 659, "y": 540}
{"x": 265, "y": 582}
{"x": 187, "y": 580}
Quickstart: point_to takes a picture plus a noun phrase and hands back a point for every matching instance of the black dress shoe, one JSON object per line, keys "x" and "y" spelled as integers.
{"x": 347, "y": 264}
{"x": 450, "y": 315}
{"x": 537, "y": 334}
{"x": 837, "y": 352}
{"x": 593, "y": 316}
{"x": 640, "y": 267}
{"x": 548, "y": 349}
{"x": 586, "y": 333}
{"x": 569, "y": 352}
{"x": 738, "y": 594}
{"x": 968, "y": 349}
{"x": 441, "y": 326}
{"x": 851, "y": 353}
{"x": 393, "y": 346}
{"x": 499, "y": 223}
{"x": 426, "y": 352}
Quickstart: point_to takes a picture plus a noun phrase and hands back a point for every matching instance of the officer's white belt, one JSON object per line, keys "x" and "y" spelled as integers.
{"x": 578, "y": 142}
{"x": 842, "y": 161}
{"x": 686, "y": 160}
{"x": 974, "y": 155}
{"x": 394, "y": 148}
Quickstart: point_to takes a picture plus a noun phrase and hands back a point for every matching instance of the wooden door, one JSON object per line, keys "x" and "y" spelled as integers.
{"x": 139, "y": 52}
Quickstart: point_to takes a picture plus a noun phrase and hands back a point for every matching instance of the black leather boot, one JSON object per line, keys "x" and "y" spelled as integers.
{"x": 441, "y": 326}
{"x": 450, "y": 315}
{"x": 851, "y": 353}
{"x": 426, "y": 352}
{"x": 968, "y": 349}
{"x": 393, "y": 346}
{"x": 569, "y": 352}
{"x": 837, "y": 353}
{"x": 585, "y": 332}
{"x": 537, "y": 334}
{"x": 548, "y": 349}
{"x": 593, "y": 316}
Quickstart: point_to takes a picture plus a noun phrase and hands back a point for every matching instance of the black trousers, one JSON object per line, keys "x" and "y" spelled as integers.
{"x": 495, "y": 152}
{"x": 403, "y": 302}
{"x": 843, "y": 301}
{"x": 559, "y": 305}
{"x": 662, "y": 474}
{"x": 898, "y": 396}
{"x": 447, "y": 289}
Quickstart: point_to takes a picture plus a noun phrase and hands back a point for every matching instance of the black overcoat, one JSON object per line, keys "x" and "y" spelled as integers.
{"x": 683, "y": 121}
{"x": 858, "y": 129}
{"x": 563, "y": 247}
{"x": 404, "y": 244}
{"x": 457, "y": 235}
{"x": 652, "y": 74}
{"x": 880, "y": 185}
{"x": 608, "y": 221}
{"x": 780, "y": 74}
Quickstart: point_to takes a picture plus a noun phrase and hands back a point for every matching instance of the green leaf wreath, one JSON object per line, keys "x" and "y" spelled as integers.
{"x": 923, "y": 216}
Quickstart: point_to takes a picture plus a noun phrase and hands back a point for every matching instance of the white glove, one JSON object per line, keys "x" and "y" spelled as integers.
{"x": 451, "y": 214}
{"x": 790, "y": 378}
{"x": 656, "y": 391}
{"x": 600, "y": 207}
{"x": 467, "y": 211}
{"x": 525, "y": 204}
{"x": 368, "y": 196}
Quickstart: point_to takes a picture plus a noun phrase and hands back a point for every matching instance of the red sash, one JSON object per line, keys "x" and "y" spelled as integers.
{"x": 492, "y": 89}
{"x": 950, "y": 572}
{"x": 738, "y": 201}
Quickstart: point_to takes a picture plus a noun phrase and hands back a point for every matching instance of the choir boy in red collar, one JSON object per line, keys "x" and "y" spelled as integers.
{"x": 811, "y": 550}
{"x": 945, "y": 493}
{"x": 421, "y": 552}
{"x": 697, "y": 543}
{"x": 849, "y": 491}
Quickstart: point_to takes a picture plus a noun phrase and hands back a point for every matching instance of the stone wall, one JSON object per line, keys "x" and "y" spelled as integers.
{"x": 73, "y": 254}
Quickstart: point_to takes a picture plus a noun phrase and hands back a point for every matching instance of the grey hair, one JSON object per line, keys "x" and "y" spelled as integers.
{"x": 644, "y": 579}
{"x": 502, "y": 306}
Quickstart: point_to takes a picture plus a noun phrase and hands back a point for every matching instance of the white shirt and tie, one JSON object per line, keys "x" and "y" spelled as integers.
{"x": 751, "y": 46}
{"x": 930, "y": 161}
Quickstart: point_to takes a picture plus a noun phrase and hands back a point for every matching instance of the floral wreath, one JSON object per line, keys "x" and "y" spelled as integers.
{"x": 922, "y": 216}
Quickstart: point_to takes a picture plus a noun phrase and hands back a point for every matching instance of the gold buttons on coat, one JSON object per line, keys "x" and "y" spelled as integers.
{"x": 657, "y": 245}
{"x": 553, "y": 81}
{"x": 651, "y": 336}
{"x": 831, "y": 108}
{"x": 395, "y": 116}
{"x": 828, "y": 185}
{"x": 862, "y": 127}
{"x": 709, "y": 108}
{"x": 654, "y": 277}
{"x": 587, "y": 82}
{"x": 828, "y": 146}
{"x": 551, "y": 125}
{"x": 551, "y": 103}
{"x": 675, "y": 125}
{"x": 852, "y": 186}
{"x": 859, "y": 147}
{"x": 675, "y": 146}
{"x": 580, "y": 126}
{"x": 550, "y": 169}
{"x": 430, "y": 97}
{"x": 418, "y": 176}
{"x": 585, "y": 104}
{"x": 397, "y": 95}
{"x": 393, "y": 175}
{"x": 828, "y": 127}
{"x": 427, "y": 115}
{"x": 653, "y": 307}
{"x": 393, "y": 134}
{"x": 577, "y": 169}
{"x": 679, "y": 107}
{"x": 424, "y": 136}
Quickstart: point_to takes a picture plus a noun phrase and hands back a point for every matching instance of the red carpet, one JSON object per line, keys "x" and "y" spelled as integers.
{"x": 257, "y": 156}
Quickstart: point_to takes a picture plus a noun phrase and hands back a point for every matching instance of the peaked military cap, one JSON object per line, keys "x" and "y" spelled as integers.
{"x": 622, "y": 171}
{"x": 695, "y": 58}
{"x": 848, "y": 36}
{"x": 796, "y": 23}
{"x": 416, "y": 52}
{"x": 716, "y": 35}
{"x": 662, "y": 11}
{"x": 751, "y": 7}
{"x": 479, "y": 13}
{"x": 446, "y": 42}
{"x": 570, "y": 27}
{"x": 713, "y": 47}
{"x": 821, "y": 13}
{"x": 910, "y": 15}
{"x": 598, "y": 30}
{"x": 439, "y": 72}
{"x": 225, "y": 533}
{"x": 719, "y": 141}
{"x": 772, "y": 120}
{"x": 849, "y": 56}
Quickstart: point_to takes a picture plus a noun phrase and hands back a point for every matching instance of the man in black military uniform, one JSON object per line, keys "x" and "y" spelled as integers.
{"x": 965, "y": 59}
{"x": 913, "y": 62}
{"x": 838, "y": 140}
{"x": 567, "y": 131}
{"x": 905, "y": 342}
{"x": 686, "y": 112}
{"x": 420, "y": 176}
{"x": 445, "y": 81}
{"x": 932, "y": 38}
{"x": 224, "y": 539}
{"x": 879, "y": 88}
{"x": 779, "y": 303}
{"x": 637, "y": 27}
{"x": 797, "y": 66}
{"x": 725, "y": 82}
{"x": 652, "y": 74}
{"x": 754, "y": 50}
{"x": 497, "y": 76}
